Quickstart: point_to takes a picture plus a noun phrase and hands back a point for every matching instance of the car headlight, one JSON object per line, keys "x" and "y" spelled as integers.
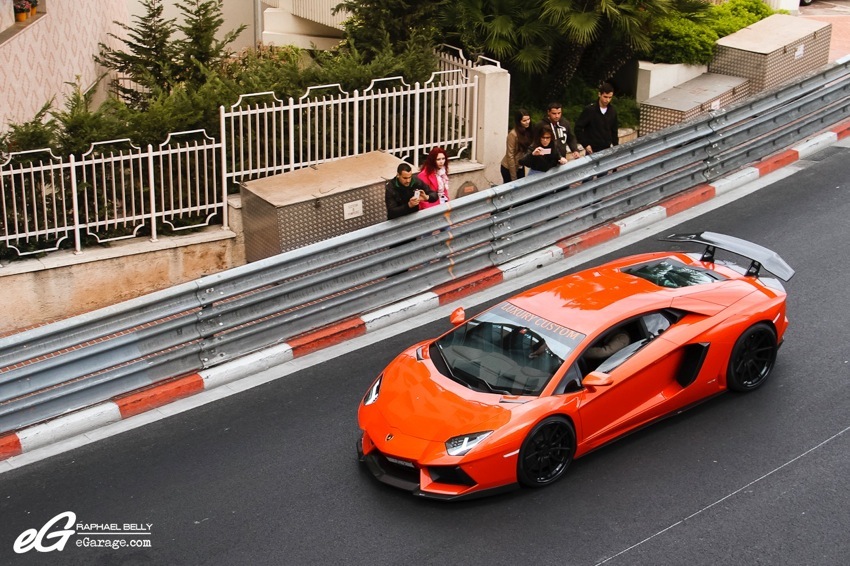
{"x": 460, "y": 445}
{"x": 372, "y": 394}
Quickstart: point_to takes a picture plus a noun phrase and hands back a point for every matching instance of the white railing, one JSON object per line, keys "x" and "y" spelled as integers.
{"x": 112, "y": 192}
{"x": 320, "y": 11}
{"x": 116, "y": 190}
{"x": 267, "y": 136}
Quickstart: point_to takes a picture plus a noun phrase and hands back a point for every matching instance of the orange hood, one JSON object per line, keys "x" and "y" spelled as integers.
{"x": 418, "y": 401}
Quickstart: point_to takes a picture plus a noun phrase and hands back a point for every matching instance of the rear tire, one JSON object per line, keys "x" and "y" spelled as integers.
{"x": 752, "y": 358}
{"x": 546, "y": 452}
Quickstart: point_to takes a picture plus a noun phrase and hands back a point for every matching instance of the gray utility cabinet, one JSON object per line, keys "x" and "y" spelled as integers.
{"x": 773, "y": 51}
{"x": 291, "y": 210}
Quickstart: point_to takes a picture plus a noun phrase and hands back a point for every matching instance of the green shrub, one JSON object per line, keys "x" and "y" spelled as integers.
{"x": 690, "y": 39}
{"x": 628, "y": 111}
{"x": 731, "y": 16}
{"x": 679, "y": 40}
{"x": 38, "y": 133}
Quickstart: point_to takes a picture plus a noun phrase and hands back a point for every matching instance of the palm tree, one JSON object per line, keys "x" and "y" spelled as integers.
{"x": 551, "y": 37}
{"x": 511, "y": 31}
{"x": 622, "y": 25}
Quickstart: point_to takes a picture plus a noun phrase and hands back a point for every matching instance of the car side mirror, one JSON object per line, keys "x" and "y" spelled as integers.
{"x": 597, "y": 379}
{"x": 458, "y": 316}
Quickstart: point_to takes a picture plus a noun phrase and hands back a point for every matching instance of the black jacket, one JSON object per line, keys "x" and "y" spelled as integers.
{"x": 541, "y": 162}
{"x": 596, "y": 129}
{"x": 397, "y": 196}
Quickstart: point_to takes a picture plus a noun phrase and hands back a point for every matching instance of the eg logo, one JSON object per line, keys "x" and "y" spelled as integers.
{"x": 32, "y": 538}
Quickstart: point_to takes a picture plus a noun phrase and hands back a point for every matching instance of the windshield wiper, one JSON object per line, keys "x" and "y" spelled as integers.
{"x": 472, "y": 379}
{"x": 489, "y": 387}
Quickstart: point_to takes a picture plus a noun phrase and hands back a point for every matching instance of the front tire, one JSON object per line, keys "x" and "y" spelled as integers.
{"x": 546, "y": 452}
{"x": 752, "y": 358}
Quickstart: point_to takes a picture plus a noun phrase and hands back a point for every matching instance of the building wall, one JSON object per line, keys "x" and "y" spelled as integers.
{"x": 37, "y": 59}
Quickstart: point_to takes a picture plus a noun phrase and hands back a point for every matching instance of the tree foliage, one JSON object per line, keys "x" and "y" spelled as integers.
{"x": 148, "y": 57}
{"x": 79, "y": 124}
{"x": 199, "y": 49}
{"x": 546, "y": 40}
{"x": 373, "y": 26}
{"x": 182, "y": 73}
{"x": 161, "y": 56}
{"x": 680, "y": 40}
{"x": 40, "y": 132}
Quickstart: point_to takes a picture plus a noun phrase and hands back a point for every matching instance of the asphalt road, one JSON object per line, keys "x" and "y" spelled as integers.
{"x": 269, "y": 476}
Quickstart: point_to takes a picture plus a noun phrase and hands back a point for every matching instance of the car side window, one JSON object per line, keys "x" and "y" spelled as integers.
{"x": 621, "y": 356}
{"x": 613, "y": 348}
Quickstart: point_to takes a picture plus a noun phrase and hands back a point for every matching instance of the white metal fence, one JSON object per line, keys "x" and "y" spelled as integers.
{"x": 320, "y": 11}
{"x": 116, "y": 190}
{"x": 271, "y": 136}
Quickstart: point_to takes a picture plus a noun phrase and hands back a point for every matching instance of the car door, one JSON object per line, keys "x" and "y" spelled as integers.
{"x": 643, "y": 381}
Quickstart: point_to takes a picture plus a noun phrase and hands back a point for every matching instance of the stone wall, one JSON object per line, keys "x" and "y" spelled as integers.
{"x": 63, "y": 284}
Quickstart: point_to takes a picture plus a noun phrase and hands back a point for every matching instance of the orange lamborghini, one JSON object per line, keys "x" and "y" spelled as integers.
{"x": 511, "y": 396}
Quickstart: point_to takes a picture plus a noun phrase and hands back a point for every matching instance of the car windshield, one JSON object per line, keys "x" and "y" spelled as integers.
{"x": 506, "y": 350}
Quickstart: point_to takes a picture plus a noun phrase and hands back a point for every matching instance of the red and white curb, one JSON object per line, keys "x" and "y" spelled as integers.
{"x": 143, "y": 400}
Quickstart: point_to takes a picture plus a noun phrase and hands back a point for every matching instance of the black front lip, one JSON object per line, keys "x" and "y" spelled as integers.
{"x": 373, "y": 464}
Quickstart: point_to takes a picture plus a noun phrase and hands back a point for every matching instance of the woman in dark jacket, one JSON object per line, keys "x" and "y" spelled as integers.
{"x": 544, "y": 155}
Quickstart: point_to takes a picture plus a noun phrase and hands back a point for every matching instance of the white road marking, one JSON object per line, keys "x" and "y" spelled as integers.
{"x": 725, "y": 497}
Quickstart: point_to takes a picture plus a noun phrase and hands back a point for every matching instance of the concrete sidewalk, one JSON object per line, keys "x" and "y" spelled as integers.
{"x": 836, "y": 13}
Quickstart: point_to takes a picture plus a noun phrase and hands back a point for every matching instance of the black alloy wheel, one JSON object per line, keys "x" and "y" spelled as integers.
{"x": 752, "y": 358}
{"x": 546, "y": 452}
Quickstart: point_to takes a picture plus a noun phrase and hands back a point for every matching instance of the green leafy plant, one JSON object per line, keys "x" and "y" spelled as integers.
{"x": 38, "y": 133}
{"x": 691, "y": 38}
{"x": 679, "y": 40}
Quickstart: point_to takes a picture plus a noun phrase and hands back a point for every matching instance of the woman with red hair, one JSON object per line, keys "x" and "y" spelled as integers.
{"x": 435, "y": 174}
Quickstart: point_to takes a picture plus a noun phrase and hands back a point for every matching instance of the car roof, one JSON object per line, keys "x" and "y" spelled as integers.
{"x": 597, "y": 298}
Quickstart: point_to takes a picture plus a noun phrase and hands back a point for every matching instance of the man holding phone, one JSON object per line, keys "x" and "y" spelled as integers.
{"x": 404, "y": 192}
{"x": 564, "y": 140}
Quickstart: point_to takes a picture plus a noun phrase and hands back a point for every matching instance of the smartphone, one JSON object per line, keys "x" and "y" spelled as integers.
{"x": 545, "y": 150}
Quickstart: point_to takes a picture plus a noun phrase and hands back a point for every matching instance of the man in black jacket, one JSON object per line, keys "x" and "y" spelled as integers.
{"x": 404, "y": 192}
{"x": 597, "y": 125}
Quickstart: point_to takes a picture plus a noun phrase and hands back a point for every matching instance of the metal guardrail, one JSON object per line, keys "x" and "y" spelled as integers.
{"x": 74, "y": 363}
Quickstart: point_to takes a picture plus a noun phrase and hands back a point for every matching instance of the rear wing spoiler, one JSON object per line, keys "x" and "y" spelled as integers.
{"x": 760, "y": 256}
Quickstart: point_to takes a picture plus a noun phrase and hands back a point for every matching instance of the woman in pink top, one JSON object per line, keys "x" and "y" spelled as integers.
{"x": 435, "y": 174}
